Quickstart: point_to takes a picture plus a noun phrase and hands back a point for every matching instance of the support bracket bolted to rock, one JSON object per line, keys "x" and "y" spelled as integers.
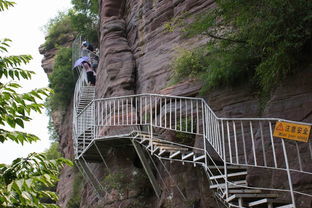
{"x": 147, "y": 168}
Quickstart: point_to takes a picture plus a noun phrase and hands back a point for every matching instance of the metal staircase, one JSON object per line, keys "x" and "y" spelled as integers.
{"x": 238, "y": 193}
{"x": 228, "y": 149}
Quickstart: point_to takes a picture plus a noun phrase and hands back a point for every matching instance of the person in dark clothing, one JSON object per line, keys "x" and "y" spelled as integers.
{"x": 91, "y": 75}
{"x": 87, "y": 45}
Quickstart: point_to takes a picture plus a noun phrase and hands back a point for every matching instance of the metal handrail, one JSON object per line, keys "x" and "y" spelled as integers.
{"x": 233, "y": 139}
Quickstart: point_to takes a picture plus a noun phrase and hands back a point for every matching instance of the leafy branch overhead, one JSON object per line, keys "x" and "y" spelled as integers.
{"x": 5, "y": 5}
{"x": 15, "y": 108}
{"x": 262, "y": 42}
{"x": 22, "y": 183}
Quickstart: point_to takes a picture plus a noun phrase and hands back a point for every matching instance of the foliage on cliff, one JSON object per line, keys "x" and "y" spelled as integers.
{"x": 82, "y": 19}
{"x": 21, "y": 182}
{"x": 85, "y": 19}
{"x": 58, "y": 30}
{"x": 62, "y": 80}
{"x": 259, "y": 42}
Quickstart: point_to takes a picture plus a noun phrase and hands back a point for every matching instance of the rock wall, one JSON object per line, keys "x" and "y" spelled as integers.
{"x": 135, "y": 57}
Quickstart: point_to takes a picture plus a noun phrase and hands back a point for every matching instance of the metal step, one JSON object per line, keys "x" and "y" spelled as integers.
{"x": 185, "y": 156}
{"x": 171, "y": 148}
{"x": 245, "y": 191}
{"x": 231, "y": 185}
{"x": 261, "y": 202}
{"x": 244, "y": 173}
{"x": 155, "y": 150}
{"x": 175, "y": 154}
{"x": 250, "y": 196}
{"x": 200, "y": 158}
{"x": 286, "y": 206}
{"x": 161, "y": 152}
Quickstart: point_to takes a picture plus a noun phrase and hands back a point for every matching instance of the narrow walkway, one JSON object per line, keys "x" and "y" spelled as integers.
{"x": 229, "y": 145}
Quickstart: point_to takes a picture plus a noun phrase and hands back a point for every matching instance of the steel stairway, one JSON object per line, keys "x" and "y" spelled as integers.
{"x": 239, "y": 143}
{"x": 238, "y": 196}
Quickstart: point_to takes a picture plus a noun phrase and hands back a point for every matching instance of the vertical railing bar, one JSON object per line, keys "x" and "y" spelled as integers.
{"x": 98, "y": 114}
{"x": 203, "y": 120}
{"x": 235, "y": 140}
{"x": 111, "y": 104}
{"x": 273, "y": 146}
{"x": 160, "y": 109}
{"x": 151, "y": 123}
{"x": 118, "y": 111}
{"x": 165, "y": 112}
{"x": 224, "y": 162}
{"x": 127, "y": 106}
{"x": 131, "y": 110}
{"x": 145, "y": 110}
{"x": 114, "y": 116}
{"x": 262, "y": 142}
{"x": 208, "y": 126}
{"x": 108, "y": 113}
{"x": 192, "y": 122}
{"x": 244, "y": 141}
{"x": 212, "y": 130}
{"x": 102, "y": 113}
{"x": 186, "y": 113}
{"x": 213, "y": 138}
{"x": 219, "y": 137}
{"x": 204, "y": 137}
{"x": 299, "y": 158}
{"x": 180, "y": 114}
{"x": 218, "y": 134}
{"x": 122, "y": 112}
{"x": 137, "y": 110}
{"x": 175, "y": 113}
{"x": 197, "y": 117}
{"x": 170, "y": 109}
{"x": 105, "y": 114}
{"x": 155, "y": 103}
{"x": 229, "y": 141}
{"x": 253, "y": 144}
{"x": 207, "y": 123}
{"x": 141, "y": 110}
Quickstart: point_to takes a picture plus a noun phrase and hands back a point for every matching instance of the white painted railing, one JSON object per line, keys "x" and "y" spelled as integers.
{"x": 237, "y": 141}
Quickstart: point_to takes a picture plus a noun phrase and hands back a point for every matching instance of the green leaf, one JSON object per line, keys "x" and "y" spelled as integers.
{"x": 20, "y": 122}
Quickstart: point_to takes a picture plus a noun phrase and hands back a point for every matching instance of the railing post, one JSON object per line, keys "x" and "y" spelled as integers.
{"x": 224, "y": 162}
{"x": 289, "y": 175}
{"x": 204, "y": 114}
{"x": 151, "y": 125}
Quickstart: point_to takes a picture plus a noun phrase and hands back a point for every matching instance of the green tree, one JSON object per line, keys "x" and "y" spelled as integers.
{"x": 85, "y": 19}
{"x": 59, "y": 30}
{"x": 21, "y": 182}
{"x": 62, "y": 80}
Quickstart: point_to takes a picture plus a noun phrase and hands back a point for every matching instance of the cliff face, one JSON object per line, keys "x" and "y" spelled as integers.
{"x": 135, "y": 57}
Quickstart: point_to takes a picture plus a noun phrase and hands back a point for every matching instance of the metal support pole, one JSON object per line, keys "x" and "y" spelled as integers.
{"x": 289, "y": 175}
{"x": 97, "y": 148}
{"x": 97, "y": 185}
{"x": 147, "y": 168}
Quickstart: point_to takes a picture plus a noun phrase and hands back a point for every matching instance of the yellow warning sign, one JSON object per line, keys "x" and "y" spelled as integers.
{"x": 292, "y": 131}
